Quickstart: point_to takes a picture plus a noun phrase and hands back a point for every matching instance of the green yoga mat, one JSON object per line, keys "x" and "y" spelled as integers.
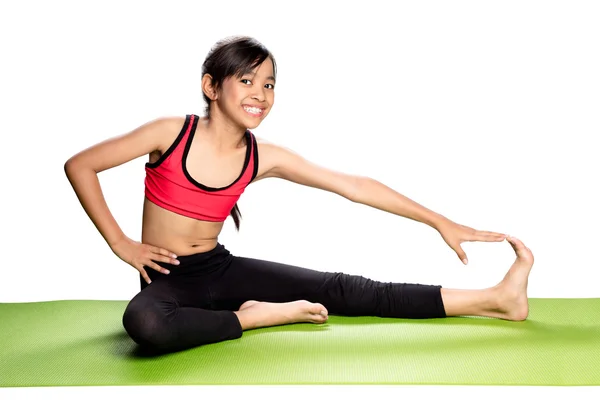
{"x": 82, "y": 342}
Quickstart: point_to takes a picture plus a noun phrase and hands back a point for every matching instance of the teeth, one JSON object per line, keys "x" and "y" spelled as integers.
{"x": 253, "y": 110}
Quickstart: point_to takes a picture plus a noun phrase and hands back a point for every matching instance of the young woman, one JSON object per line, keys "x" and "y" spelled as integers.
{"x": 193, "y": 290}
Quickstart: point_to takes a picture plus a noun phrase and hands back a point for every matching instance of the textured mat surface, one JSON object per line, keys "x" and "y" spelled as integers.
{"x": 79, "y": 343}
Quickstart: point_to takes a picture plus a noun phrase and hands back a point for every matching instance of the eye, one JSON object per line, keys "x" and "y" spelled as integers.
{"x": 248, "y": 80}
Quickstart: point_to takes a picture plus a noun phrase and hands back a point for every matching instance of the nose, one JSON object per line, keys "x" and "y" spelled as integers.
{"x": 259, "y": 94}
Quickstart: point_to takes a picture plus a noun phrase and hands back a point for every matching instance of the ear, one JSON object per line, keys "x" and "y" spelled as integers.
{"x": 208, "y": 88}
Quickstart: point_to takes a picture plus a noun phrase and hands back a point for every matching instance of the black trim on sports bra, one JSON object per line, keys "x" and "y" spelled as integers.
{"x": 173, "y": 146}
{"x": 187, "y": 149}
{"x": 255, "y": 171}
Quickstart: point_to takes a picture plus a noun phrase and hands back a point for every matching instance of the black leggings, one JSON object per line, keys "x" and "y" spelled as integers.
{"x": 194, "y": 304}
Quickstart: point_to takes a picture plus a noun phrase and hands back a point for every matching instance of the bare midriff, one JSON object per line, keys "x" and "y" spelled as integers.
{"x": 177, "y": 233}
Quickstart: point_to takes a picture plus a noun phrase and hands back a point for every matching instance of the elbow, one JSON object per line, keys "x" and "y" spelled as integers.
{"x": 72, "y": 166}
{"x": 356, "y": 188}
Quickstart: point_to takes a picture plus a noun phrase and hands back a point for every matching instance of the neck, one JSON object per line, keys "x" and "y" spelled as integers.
{"x": 223, "y": 133}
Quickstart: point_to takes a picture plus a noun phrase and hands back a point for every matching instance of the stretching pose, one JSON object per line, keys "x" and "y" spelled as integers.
{"x": 193, "y": 290}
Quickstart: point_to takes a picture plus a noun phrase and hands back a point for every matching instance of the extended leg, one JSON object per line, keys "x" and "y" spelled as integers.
{"x": 465, "y": 302}
{"x": 352, "y": 295}
{"x": 294, "y": 294}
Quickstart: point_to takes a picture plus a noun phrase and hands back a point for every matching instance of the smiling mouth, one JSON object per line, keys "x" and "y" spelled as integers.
{"x": 253, "y": 111}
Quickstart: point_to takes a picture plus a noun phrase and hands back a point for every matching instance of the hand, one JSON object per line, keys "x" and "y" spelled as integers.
{"x": 454, "y": 234}
{"x": 139, "y": 255}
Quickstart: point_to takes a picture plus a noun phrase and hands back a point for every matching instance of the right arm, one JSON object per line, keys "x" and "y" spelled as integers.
{"x": 82, "y": 169}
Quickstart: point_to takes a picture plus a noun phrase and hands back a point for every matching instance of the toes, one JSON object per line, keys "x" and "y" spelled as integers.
{"x": 318, "y": 317}
{"x": 318, "y": 309}
{"x": 520, "y": 248}
{"x": 516, "y": 244}
{"x": 514, "y": 241}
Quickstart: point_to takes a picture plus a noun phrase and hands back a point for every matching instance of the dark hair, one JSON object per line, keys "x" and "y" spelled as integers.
{"x": 234, "y": 56}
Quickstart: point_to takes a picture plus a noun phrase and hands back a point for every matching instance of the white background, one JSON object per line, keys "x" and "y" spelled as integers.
{"x": 485, "y": 112}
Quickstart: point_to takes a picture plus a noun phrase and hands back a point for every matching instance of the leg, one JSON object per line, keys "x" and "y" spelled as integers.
{"x": 156, "y": 319}
{"x": 459, "y": 302}
{"x": 353, "y": 295}
{"x": 174, "y": 311}
{"x": 286, "y": 294}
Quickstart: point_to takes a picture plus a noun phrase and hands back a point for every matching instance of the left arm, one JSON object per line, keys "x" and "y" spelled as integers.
{"x": 285, "y": 164}
{"x": 375, "y": 194}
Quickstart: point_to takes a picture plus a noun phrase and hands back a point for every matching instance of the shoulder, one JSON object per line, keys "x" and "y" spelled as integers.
{"x": 172, "y": 122}
{"x": 169, "y": 127}
{"x": 266, "y": 148}
{"x": 153, "y": 136}
{"x": 281, "y": 162}
{"x": 272, "y": 156}
{"x": 164, "y": 125}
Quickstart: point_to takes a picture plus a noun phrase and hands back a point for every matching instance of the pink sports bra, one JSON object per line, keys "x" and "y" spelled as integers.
{"x": 169, "y": 185}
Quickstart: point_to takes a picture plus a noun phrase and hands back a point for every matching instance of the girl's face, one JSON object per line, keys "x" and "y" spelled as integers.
{"x": 248, "y": 100}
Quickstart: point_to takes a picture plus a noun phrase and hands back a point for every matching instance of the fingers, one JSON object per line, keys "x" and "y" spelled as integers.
{"x": 163, "y": 252}
{"x": 143, "y": 273}
{"x": 461, "y": 254}
{"x": 145, "y": 276}
{"x": 165, "y": 259}
{"x": 486, "y": 236}
{"x": 158, "y": 254}
{"x": 154, "y": 266}
{"x": 157, "y": 267}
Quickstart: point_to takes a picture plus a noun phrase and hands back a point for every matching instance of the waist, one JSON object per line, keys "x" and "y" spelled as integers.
{"x": 200, "y": 262}
{"x": 177, "y": 233}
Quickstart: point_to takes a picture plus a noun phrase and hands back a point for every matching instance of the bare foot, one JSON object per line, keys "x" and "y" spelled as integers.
{"x": 257, "y": 314}
{"x": 248, "y": 304}
{"x": 511, "y": 293}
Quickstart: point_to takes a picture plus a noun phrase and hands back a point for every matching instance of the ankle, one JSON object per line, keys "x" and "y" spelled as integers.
{"x": 494, "y": 298}
{"x": 246, "y": 319}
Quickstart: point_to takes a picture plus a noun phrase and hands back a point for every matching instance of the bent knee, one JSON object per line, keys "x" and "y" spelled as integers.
{"x": 146, "y": 325}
